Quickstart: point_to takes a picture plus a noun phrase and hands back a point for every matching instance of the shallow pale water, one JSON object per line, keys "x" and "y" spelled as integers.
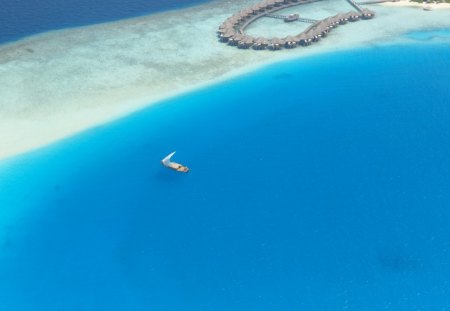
{"x": 440, "y": 34}
{"x": 316, "y": 184}
{"x": 21, "y": 18}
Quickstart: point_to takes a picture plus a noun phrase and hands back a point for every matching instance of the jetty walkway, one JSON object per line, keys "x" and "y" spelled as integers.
{"x": 292, "y": 17}
{"x": 375, "y": 1}
{"x": 232, "y": 30}
{"x": 355, "y": 5}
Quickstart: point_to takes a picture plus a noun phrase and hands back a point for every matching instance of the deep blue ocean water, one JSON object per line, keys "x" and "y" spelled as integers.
{"x": 21, "y": 18}
{"x": 316, "y": 184}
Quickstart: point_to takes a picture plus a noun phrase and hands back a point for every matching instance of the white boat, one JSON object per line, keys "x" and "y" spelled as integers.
{"x": 173, "y": 165}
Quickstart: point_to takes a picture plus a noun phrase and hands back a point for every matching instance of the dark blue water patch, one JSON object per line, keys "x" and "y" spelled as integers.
{"x": 427, "y": 35}
{"x": 21, "y": 18}
{"x": 317, "y": 184}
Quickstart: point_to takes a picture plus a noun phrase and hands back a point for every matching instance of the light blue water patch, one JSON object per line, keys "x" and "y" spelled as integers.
{"x": 316, "y": 184}
{"x": 429, "y": 34}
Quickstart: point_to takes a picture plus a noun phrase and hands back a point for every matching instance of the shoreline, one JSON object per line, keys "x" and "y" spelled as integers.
{"x": 407, "y": 3}
{"x": 107, "y": 71}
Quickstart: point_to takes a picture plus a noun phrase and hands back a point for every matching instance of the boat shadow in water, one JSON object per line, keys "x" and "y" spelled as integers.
{"x": 165, "y": 175}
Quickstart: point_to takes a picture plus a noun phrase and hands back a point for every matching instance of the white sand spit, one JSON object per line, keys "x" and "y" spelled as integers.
{"x": 407, "y": 3}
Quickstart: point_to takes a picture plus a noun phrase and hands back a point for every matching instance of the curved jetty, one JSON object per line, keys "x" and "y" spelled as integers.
{"x": 232, "y": 30}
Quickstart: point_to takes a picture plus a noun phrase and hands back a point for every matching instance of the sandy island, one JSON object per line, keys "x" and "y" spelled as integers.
{"x": 59, "y": 83}
{"x": 407, "y": 3}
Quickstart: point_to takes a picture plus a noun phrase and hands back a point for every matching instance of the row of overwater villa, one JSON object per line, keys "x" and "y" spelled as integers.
{"x": 232, "y": 30}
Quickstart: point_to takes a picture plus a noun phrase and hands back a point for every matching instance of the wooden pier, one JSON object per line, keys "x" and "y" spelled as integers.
{"x": 375, "y": 1}
{"x": 292, "y": 18}
{"x": 232, "y": 30}
{"x": 355, "y": 5}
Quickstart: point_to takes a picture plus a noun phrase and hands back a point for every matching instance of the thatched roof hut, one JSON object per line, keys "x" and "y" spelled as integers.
{"x": 248, "y": 12}
{"x": 342, "y": 18}
{"x": 226, "y": 25}
{"x": 353, "y": 16}
{"x": 335, "y": 20}
{"x": 323, "y": 30}
{"x": 258, "y": 44}
{"x": 238, "y": 37}
{"x": 249, "y": 40}
{"x": 279, "y": 2}
{"x": 261, "y": 7}
{"x": 258, "y": 8}
{"x": 290, "y": 42}
{"x": 245, "y": 42}
{"x": 231, "y": 19}
{"x": 229, "y": 34}
{"x": 225, "y": 37}
{"x": 313, "y": 34}
{"x": 300, "y": 37}
{"x": 276, "y": 44}
{"x": 235, "y": 39}
{"x": 290, "y": 39}
{"x": 270, "y": 4}
{"x": 275, "y": 41}
{"x": 265, "y": 41}
{"x": 367, "y": 14}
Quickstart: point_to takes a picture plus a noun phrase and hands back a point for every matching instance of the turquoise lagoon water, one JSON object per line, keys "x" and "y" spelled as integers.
{"x": 316, "y": 184}
{"x": 437, "y": 34}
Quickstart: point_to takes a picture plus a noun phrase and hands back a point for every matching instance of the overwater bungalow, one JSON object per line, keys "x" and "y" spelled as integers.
{"x": 234, "y": 40}
{"x": 327, "y": 24}
{"x": 353, "y": 16}
{"x": 308, "y": 39}
{"x": 232, "y": 19}
{"x": 336, "y": 20}
{"x": 323, "y": 30}
{"x": 342, "y": 19}
{"x": 249, "y": 12}
{"x": 276, "y": 44}
{"x": 300, "y": 39}
{"x": 226, "y": 36}
{"x": 279, "y": 2}
{"x": 225, "y": 27}
{"x": 367, "y": 14}
{"x": 245, "y": 43}
{"x": 290, "y": 42}
{"x": 270, "y": 4}
{"x": 259, "y": 8}
{"x": 314, "y": 34}
{"x": 254, "y": 10}
{"x": 242, "y": 16}
{"x": 332, "y": 21}
{"x": 260, "y": 43}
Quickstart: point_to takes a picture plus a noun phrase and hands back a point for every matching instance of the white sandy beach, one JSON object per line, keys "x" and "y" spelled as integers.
{"x": 407, "y": 3}
{"x": 59, "y": 83}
